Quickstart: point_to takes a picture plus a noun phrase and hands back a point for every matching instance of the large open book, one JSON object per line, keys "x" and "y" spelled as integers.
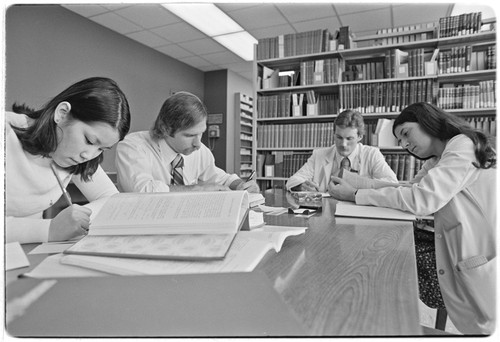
{"x": 178, "y": 225}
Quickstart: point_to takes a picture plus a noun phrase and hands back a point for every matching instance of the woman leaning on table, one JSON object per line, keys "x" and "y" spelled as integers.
{"x": 66, "y": 137}
{"x": 458, "y": 185}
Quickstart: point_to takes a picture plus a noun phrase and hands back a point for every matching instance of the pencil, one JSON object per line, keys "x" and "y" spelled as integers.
{"x": 63, "y": 189}
{"x": 251, "y": 176}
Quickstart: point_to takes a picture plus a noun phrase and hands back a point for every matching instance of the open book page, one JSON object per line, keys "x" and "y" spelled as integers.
{"x": 171, "y": 213}
{"x": 172, "y": 246}
{"x": 247, "y": 250}
{"x": 360, "y": 182}
{"x": 350, "y": 209}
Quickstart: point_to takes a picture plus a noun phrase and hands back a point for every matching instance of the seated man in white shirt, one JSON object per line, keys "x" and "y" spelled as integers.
{"x": 347, "y": 153}
{"x": 171, "y": 156}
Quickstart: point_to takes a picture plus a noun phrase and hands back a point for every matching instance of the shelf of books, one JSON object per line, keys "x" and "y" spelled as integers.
{"x": 303, "y": 80}
{"x": 244, "y": 164}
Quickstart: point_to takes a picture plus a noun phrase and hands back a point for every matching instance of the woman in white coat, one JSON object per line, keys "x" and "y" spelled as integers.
{"x": 66, "y": 137}
{"x": 457, "y": 185}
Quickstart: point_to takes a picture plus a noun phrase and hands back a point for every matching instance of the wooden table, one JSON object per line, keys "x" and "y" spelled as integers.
{"x": 343, "y": 277}
{"x": 346, "y": 276}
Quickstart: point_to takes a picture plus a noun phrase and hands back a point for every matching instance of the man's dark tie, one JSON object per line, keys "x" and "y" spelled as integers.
{"x": 345, "y": 164}
{"x": 177, "y": 175}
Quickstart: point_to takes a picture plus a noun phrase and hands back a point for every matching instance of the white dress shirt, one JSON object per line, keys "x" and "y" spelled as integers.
{"x": 31, "y": 187}
{"x": 463, "y": 199}
{"x": 144, "y": 165}
{"x": 368, "y": 161}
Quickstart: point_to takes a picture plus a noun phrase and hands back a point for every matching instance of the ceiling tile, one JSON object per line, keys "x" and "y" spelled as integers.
{"x": 349, "y": 8}
{"x": 147, "y": 38}
{"x": 202, "y": 46}
{"x": 271, "y": 31}
{"x": 409, "y": 14}
{"x": 115, "y": 22}
{"x": 174, "y": 50}
{"x": 149, "y": 16}
{"x": 304, "y": 12}
{"x": 332, "y": 24}
{"x": 196, "y": 61}
{"x": 86, "y": 10}
{"x": 258, "y": 16}
{"x": 115, "y": 7}
{"x": 227, "y": 7}
{"x": 206, "y": 68}
{"x": 180, "y": 32}
{"x": 224, "y": 57}
{"x": 366, "y": 21}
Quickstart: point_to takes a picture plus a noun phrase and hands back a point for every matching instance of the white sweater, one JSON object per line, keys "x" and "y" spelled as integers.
{"x": 31, "y": 187}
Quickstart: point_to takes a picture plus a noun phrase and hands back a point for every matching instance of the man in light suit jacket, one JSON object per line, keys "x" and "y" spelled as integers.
{"x": 347, "y": 153}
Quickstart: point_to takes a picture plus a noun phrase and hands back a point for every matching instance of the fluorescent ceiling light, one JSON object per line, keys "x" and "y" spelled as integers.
{"x": 207, "y": 18}
{"x": 210, "y": 20}
{"x": 241, "y": 43}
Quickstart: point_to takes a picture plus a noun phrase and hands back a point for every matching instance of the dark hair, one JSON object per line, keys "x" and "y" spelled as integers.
{"x": 95, "y": 99}
{"x": 352, "y": 119}
{"x": 179, "y": 112}
{"x": 444, "y": 126}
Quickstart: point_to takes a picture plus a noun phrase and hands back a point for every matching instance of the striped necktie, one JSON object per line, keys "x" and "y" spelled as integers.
{"x": 177, "y": 175}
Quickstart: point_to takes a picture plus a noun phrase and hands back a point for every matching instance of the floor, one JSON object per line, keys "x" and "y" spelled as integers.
{"x": 428, "y": 319}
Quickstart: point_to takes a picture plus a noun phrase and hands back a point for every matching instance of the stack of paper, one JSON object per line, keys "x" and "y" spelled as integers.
{"x": 248, "y": 248}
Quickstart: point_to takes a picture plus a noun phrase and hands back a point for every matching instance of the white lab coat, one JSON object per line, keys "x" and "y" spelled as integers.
{"x": 367, "y": 160}
{"x": 463, "y": 199}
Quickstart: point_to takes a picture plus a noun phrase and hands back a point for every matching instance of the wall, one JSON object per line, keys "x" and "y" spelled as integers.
{"x": 49, "y": 47}
{"x": 235, "y": 84}
{"x": 216, "y": 102}
{"x": 220, "y": 87}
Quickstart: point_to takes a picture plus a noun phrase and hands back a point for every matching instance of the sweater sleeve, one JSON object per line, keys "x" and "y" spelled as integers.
{"x": 435, "y": 189}
{"x": 26, "y": 230}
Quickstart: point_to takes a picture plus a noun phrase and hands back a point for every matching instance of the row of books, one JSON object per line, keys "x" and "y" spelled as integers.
{"x": 466, "y": 96}
{"x": 294, "y": 44}
{"x": 280, "y": 163}
{"x": 459, "y": 25}
{"x": 280, "y": 105}
{"x": 386, "y": 96}
{"x": 378, "y": 132}
{"x": 408, "y": 37}
{"x": 323, "y": 40}
{"x": 464, "y": 59}
{"x": 321, "y": 71}
{"x": 310, "y": 135}
{"x": 404, "y": 165}
{"x": 486, "y": 124}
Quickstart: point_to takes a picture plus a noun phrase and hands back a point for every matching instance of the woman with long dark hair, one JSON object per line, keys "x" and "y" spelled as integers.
{"x": 458, "y": 185}
{"x": 62, "y": 141}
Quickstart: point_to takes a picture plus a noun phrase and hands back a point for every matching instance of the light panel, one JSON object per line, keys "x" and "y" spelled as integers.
{"x": 241, "y": 43}
{"x": 207, "y": 18}
{"x": 213, "y": 22}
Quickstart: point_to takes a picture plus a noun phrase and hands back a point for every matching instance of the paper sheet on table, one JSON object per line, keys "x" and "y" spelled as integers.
{"x": 272, "y": 210}
{"x": 15, "y": 256}
{"x": 350, "y": 209}
{"x": 244, "y": 255}
{"x": 51, "y": 267}
{"x": 51, "y": 247}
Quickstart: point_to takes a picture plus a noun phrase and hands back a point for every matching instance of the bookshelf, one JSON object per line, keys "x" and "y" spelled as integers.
{"x": 302, "y": 81}
{"x": 244, "y": 135}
